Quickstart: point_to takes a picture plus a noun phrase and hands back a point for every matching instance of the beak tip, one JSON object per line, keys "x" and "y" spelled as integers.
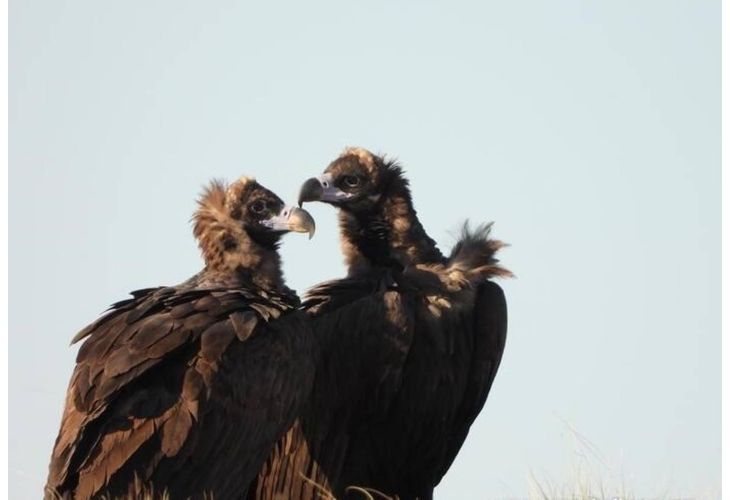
{"x": 311, "y": 190}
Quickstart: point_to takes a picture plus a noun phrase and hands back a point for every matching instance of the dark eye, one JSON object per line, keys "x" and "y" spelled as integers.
{"x": 351, "y": 181}
{"x": 257, "y": 206}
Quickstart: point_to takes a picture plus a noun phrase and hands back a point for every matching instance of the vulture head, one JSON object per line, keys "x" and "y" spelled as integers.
{"x": 356, "y": 182}
{"x": 238, "y": 226}
{"x": 378, "y": 222}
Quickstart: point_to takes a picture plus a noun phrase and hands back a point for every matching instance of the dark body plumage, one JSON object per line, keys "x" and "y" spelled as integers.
{"x": 413, "y": 341}
{"x": 185, "y": 389}
{"x": 418, "y": 385}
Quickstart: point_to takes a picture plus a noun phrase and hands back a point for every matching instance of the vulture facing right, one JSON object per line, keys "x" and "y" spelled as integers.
{"x": 185, "y": 389}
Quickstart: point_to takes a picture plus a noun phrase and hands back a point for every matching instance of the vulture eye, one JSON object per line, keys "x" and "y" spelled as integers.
{"x": 258, "y": 206}
{"x": 351, "y": 181}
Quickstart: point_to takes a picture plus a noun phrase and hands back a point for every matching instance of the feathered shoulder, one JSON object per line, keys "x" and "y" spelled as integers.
{"x": 135, "y": 333}
{"x": 157, "y": 331}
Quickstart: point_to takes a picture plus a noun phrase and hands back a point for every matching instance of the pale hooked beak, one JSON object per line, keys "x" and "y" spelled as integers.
{"x": 322, "y": 188}
{"x": 292, "y": 219}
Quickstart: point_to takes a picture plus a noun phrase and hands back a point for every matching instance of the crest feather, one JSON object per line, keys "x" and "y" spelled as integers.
{"x": 213, "y": 225}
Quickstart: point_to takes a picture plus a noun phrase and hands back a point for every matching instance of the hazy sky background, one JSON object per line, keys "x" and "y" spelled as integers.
{"x": 589, "y": 131}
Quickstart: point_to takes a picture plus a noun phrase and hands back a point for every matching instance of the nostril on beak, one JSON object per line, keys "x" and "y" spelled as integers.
{"x": 325, "y": 184}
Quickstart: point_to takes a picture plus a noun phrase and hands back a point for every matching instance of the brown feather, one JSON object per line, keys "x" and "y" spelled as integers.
{"x": 215, "y": 340}
{"x": 176, "y": 430}
{"x": 243, "y": 324}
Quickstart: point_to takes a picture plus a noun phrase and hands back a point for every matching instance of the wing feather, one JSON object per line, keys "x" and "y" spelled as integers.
{"x": 490, "y": 333}
{"x": 146, "y": 374}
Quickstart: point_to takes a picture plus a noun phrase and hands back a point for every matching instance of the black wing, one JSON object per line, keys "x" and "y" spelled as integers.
{"x": 396, "y": 389}
{"x": 366, "y": 327}
{"x": 490, "y": 333}
{"x": 414, "y": 380}
{"x": 357, "y": 375}
{"x": 182, "y": 390}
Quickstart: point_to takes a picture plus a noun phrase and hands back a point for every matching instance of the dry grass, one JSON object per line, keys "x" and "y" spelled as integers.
{"x": 144, "y": 493}
{"x": 592, "y": 477}
{"x": 148, "y": 493}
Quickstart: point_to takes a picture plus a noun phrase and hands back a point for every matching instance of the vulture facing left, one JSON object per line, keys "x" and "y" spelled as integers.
{"x": 413, "y": 337}
{"x": 185, "y": 389}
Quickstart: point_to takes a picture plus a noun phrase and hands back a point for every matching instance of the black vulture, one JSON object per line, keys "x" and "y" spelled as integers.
{"x": 413, "y": 338}
{"x": 186, "y": 388}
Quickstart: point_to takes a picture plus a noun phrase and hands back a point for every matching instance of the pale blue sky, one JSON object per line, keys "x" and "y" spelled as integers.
{"x": 588, "y": 130}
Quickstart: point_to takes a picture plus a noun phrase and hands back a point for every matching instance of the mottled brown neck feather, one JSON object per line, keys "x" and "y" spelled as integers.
{"x": 389, "y": 235}
{"x": 229, "y": 252}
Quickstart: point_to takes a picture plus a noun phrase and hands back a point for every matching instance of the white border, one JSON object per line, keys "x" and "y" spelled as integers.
{"x": 725, "y": 208}
{"x": 4, "y": 247}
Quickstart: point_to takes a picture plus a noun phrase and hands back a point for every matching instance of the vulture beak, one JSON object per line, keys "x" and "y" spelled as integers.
{"x": 292, "y": 219}
{"x": 322, "y": 188}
